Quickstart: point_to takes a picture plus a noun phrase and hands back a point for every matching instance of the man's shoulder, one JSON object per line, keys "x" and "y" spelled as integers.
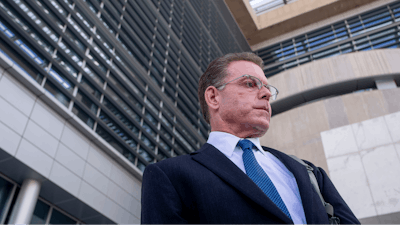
{"x": 179, "y": 161}
{"x": 174, "y": 161}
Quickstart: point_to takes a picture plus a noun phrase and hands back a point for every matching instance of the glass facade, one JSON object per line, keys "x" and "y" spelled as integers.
{"x": 46, "y": 214}
{"x": 379, "y": 28}
{"x": 127, "y": 69}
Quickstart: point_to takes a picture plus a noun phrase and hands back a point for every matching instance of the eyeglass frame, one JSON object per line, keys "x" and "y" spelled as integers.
{"x": 273, "y": 96}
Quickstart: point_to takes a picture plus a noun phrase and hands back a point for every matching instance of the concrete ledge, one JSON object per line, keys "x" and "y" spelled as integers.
{"x": 334, "y": 76}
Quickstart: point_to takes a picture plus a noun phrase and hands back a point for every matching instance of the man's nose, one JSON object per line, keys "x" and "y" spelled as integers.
{"x": 264, "y": 92}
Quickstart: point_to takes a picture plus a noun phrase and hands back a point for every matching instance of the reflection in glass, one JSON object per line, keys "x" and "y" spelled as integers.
{"x": 66, "y": 65}
{"x": 125, "y": 92}
{"x": 40, "y": 214}
{"x": 129, "y": 156}
{"x": 149, "y": 130}
{"x": 106, "y": 136}
{"x": 183, "y": 140}
{"x": 147, "y": 142}
{"x": 59, "y": 8}
{"x": 74, "y": 39}
{"x": 83, "y": 116}
{"x": 94, "y": 76}
{"x": 78, "y": 28}
{"x": 151, "y": 118}
{"x": 90, "y": 88}
{"x": 87, "y": 102}
{"x": 5, "y": 192}
{"x": 53, "y": 90}
{"x": 164, "y": 145}
{"x": 122, "y": 104}
{"x": 96, "y": 62}
{"x": 121, "y": 117}
{"x": 61, "y": 79}
{"x": 118, "y": 131}
{"x": 146, "y": 155}
{"x": 141, "y": 166}
{"x": 48, "y": 12}
{"x": 59, "y": 218}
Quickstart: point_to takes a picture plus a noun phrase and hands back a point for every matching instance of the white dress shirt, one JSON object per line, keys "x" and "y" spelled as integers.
{"x": 282, "y": 178}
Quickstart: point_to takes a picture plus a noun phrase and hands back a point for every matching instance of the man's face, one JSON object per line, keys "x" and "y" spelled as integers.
{"x": 243, "y": 108}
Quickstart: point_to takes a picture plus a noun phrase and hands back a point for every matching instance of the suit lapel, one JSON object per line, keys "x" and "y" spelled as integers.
{"x": 303, "y": 182}
{"x": 220, "y": 165}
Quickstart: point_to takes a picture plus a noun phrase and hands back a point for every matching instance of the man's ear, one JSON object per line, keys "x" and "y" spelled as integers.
{"x": 212, "y": 97}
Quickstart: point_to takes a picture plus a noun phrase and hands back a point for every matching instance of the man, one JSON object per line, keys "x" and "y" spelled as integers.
{"x": 232, "y": 179}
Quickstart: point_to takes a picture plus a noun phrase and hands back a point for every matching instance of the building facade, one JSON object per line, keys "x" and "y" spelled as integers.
{"x": 335, "y": 64}
{"x": 93, "y": 91}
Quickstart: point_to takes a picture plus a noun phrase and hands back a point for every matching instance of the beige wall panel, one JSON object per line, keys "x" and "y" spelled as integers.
{"x": 312, "y": 150}
{"x": 356, "y": 109}
{"x": 370, "y": 63}
{"x": 319, "y": 117}
{"x": 322, "y": 74}
{"x": 392, "y": 60}
{"x": 300, "y": 120}
{"x": 294, "y": 81}
{"x": 374, "y": 103}
{"x": 336, "y": 112}
{"x": 342, "y": 68}
{"x": 391, "y": 99}
{"x": 297, "y": 132}
{"x": 279, "y": 132}
{"x": 307, "y": 75}
{"x": 280, "y": 83}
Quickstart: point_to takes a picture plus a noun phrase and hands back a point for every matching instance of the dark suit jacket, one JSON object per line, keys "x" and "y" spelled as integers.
{"x": 206, "y": 187}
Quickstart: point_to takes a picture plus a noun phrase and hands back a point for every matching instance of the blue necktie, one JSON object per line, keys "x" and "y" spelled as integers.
{"x": 258, "y": 175}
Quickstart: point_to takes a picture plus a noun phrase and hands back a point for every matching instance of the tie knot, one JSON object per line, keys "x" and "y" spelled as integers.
{"x": 246, "y": 144}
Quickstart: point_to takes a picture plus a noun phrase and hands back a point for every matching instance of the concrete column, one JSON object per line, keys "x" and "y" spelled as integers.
{"x": 26, "y": 202}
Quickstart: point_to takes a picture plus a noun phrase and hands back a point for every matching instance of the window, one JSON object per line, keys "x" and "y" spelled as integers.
{"x": 45, "y": 213}
{"x": 5, "y": 195}
{"x": 40, "y": 213}
{"x": 53, "y": 90}
{"x": 87, "y": 102}
{"x": 59, "y": 218}
{"x": 90, "y": 88}
{"x": 83, "y": 116}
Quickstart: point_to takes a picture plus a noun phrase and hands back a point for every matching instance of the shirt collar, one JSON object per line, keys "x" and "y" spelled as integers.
{"x": 226, "y": 142}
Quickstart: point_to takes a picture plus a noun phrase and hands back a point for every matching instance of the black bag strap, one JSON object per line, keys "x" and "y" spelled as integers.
{"x": 328, "y": 207}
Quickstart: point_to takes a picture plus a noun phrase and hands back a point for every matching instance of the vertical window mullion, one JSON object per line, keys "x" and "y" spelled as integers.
{"x": 49, "y": 215}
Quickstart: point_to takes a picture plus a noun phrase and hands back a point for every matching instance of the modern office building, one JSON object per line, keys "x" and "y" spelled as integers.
{"x": 336, "y": 65}
{"x": 92, "y": 91}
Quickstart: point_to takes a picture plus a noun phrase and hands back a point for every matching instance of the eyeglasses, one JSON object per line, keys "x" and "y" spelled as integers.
{"x": 254, "y": 83}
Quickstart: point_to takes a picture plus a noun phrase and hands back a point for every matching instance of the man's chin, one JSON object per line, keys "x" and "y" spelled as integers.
{"x": 253, "y": 130}
{"x": 258, "y": 130}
